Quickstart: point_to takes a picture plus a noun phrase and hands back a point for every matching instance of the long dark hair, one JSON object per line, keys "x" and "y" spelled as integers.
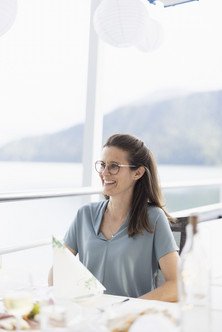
{"x": 147, "y": 189}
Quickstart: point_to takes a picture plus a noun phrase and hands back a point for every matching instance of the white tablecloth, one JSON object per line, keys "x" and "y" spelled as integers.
{"x": 168, "y": 311}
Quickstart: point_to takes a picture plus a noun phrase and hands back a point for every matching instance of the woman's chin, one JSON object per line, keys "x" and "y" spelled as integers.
{"x": 107, "y": 191}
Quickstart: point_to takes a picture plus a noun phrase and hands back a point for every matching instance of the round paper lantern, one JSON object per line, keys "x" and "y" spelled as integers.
{"x": 8, "y": 10}
{"x": 121, "y": 23}
{"x": 152, "y": 38}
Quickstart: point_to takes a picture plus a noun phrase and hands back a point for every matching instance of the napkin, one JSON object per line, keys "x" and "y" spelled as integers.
{"x": 71, "y": 279}
{"x": 153, "y": 323}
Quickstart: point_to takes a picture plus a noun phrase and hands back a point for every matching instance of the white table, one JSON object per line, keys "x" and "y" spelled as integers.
{"x": 166, "y": 309}
{"x": 113, "y": 306}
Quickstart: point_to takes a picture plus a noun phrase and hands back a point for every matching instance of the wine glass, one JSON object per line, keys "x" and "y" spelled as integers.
{"x": 17, "y": 292}
{"x": 18, "y": 303}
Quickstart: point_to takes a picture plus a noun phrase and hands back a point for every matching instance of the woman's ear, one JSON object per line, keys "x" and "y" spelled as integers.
{"x": 139, "y": 172}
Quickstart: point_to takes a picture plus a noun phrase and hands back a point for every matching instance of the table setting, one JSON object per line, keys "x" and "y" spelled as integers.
{"x": 101, "y": 313}
{"x": 75, "y": 302}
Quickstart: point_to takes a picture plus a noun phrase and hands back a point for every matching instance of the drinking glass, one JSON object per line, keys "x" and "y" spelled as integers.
{"x": 18, "y": 303}
{"x": 17, "y": 292}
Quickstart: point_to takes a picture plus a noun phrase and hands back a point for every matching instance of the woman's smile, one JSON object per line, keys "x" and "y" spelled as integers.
{"x": 108, "y": 182}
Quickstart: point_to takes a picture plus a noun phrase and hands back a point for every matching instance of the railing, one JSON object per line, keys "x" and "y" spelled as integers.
{"x": 206, "y": 211}
{"x": 53, "y": 193}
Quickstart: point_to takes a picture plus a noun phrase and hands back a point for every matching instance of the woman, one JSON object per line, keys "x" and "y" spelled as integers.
{"x": 124, "y": 239}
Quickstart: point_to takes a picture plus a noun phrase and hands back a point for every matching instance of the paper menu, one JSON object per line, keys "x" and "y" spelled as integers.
{"x": 71, "y": 279}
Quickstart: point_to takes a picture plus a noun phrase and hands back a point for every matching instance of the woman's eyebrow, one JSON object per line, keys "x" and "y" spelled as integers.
{"x": 111, "y": 162}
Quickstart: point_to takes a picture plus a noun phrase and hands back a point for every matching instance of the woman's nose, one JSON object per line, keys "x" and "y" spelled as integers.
{"x": 106, "y": 170}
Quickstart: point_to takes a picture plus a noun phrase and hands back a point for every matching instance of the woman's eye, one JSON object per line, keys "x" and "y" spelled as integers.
{"x": 114, "y": 166}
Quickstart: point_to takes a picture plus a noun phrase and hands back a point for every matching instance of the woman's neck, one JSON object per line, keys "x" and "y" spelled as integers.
{"x": 118, "y": 209}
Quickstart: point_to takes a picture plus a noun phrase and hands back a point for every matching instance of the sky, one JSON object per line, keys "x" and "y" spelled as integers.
{"x": 43, "y": 63}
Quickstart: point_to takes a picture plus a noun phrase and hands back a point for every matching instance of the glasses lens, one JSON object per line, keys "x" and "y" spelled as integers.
{"x": 113, "y": 168}
{"x": 100, "y": 166}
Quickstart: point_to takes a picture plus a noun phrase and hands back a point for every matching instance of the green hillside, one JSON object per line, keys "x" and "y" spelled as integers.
{"x": 182, "y": 130}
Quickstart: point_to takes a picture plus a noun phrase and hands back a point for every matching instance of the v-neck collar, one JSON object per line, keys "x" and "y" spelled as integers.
{"x": 98, "y": 221}
{"x": 99, "y": 216}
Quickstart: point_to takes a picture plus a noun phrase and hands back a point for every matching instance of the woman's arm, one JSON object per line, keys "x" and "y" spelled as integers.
{"x": 168, "y": 290}
{"x": 50, "y": 275}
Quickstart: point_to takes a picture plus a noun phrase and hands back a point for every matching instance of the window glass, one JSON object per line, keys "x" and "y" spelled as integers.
{"x": 135, "y": 84}
{"x": 188, "y": 60}
{"x": 43, "y": 66}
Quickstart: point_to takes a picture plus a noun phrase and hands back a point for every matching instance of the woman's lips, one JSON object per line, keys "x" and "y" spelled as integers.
{"x": 107, "y": 183}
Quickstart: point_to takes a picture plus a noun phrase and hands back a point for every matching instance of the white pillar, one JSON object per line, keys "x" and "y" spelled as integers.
{"x": 93, "y": 126}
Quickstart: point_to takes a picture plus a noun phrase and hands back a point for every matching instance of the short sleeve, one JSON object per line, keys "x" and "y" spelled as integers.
{"x": 164, "y": 241}
{"x": 70, "y": 238}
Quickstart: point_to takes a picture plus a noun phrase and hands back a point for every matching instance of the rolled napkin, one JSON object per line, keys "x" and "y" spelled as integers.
{"x": 71, "y": 279}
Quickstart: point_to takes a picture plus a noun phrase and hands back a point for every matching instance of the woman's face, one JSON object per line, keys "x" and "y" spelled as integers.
{"x": 121, "y": 183}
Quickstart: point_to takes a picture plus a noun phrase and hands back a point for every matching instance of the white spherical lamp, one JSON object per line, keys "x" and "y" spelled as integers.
{"x": 8, "y": 10}
{"x": 121, "y": 23}
{"x": 153, "y": 37}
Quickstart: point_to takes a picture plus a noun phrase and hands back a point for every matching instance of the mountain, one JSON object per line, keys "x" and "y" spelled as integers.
{"x": 179, "y": 130}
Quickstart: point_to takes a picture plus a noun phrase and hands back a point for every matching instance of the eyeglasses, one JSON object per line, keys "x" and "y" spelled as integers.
{"x": 113, "y": 168}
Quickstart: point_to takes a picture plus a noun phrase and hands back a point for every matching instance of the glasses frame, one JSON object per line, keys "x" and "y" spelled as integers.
{"x": 108, "y": 166}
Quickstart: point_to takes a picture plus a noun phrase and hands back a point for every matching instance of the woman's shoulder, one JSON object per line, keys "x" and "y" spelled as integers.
{"x": 156, "y": 214}
{"x": 154, "y": 209}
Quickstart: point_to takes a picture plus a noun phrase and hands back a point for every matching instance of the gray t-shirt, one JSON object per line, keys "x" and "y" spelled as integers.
{"x": 124, "y": 265}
